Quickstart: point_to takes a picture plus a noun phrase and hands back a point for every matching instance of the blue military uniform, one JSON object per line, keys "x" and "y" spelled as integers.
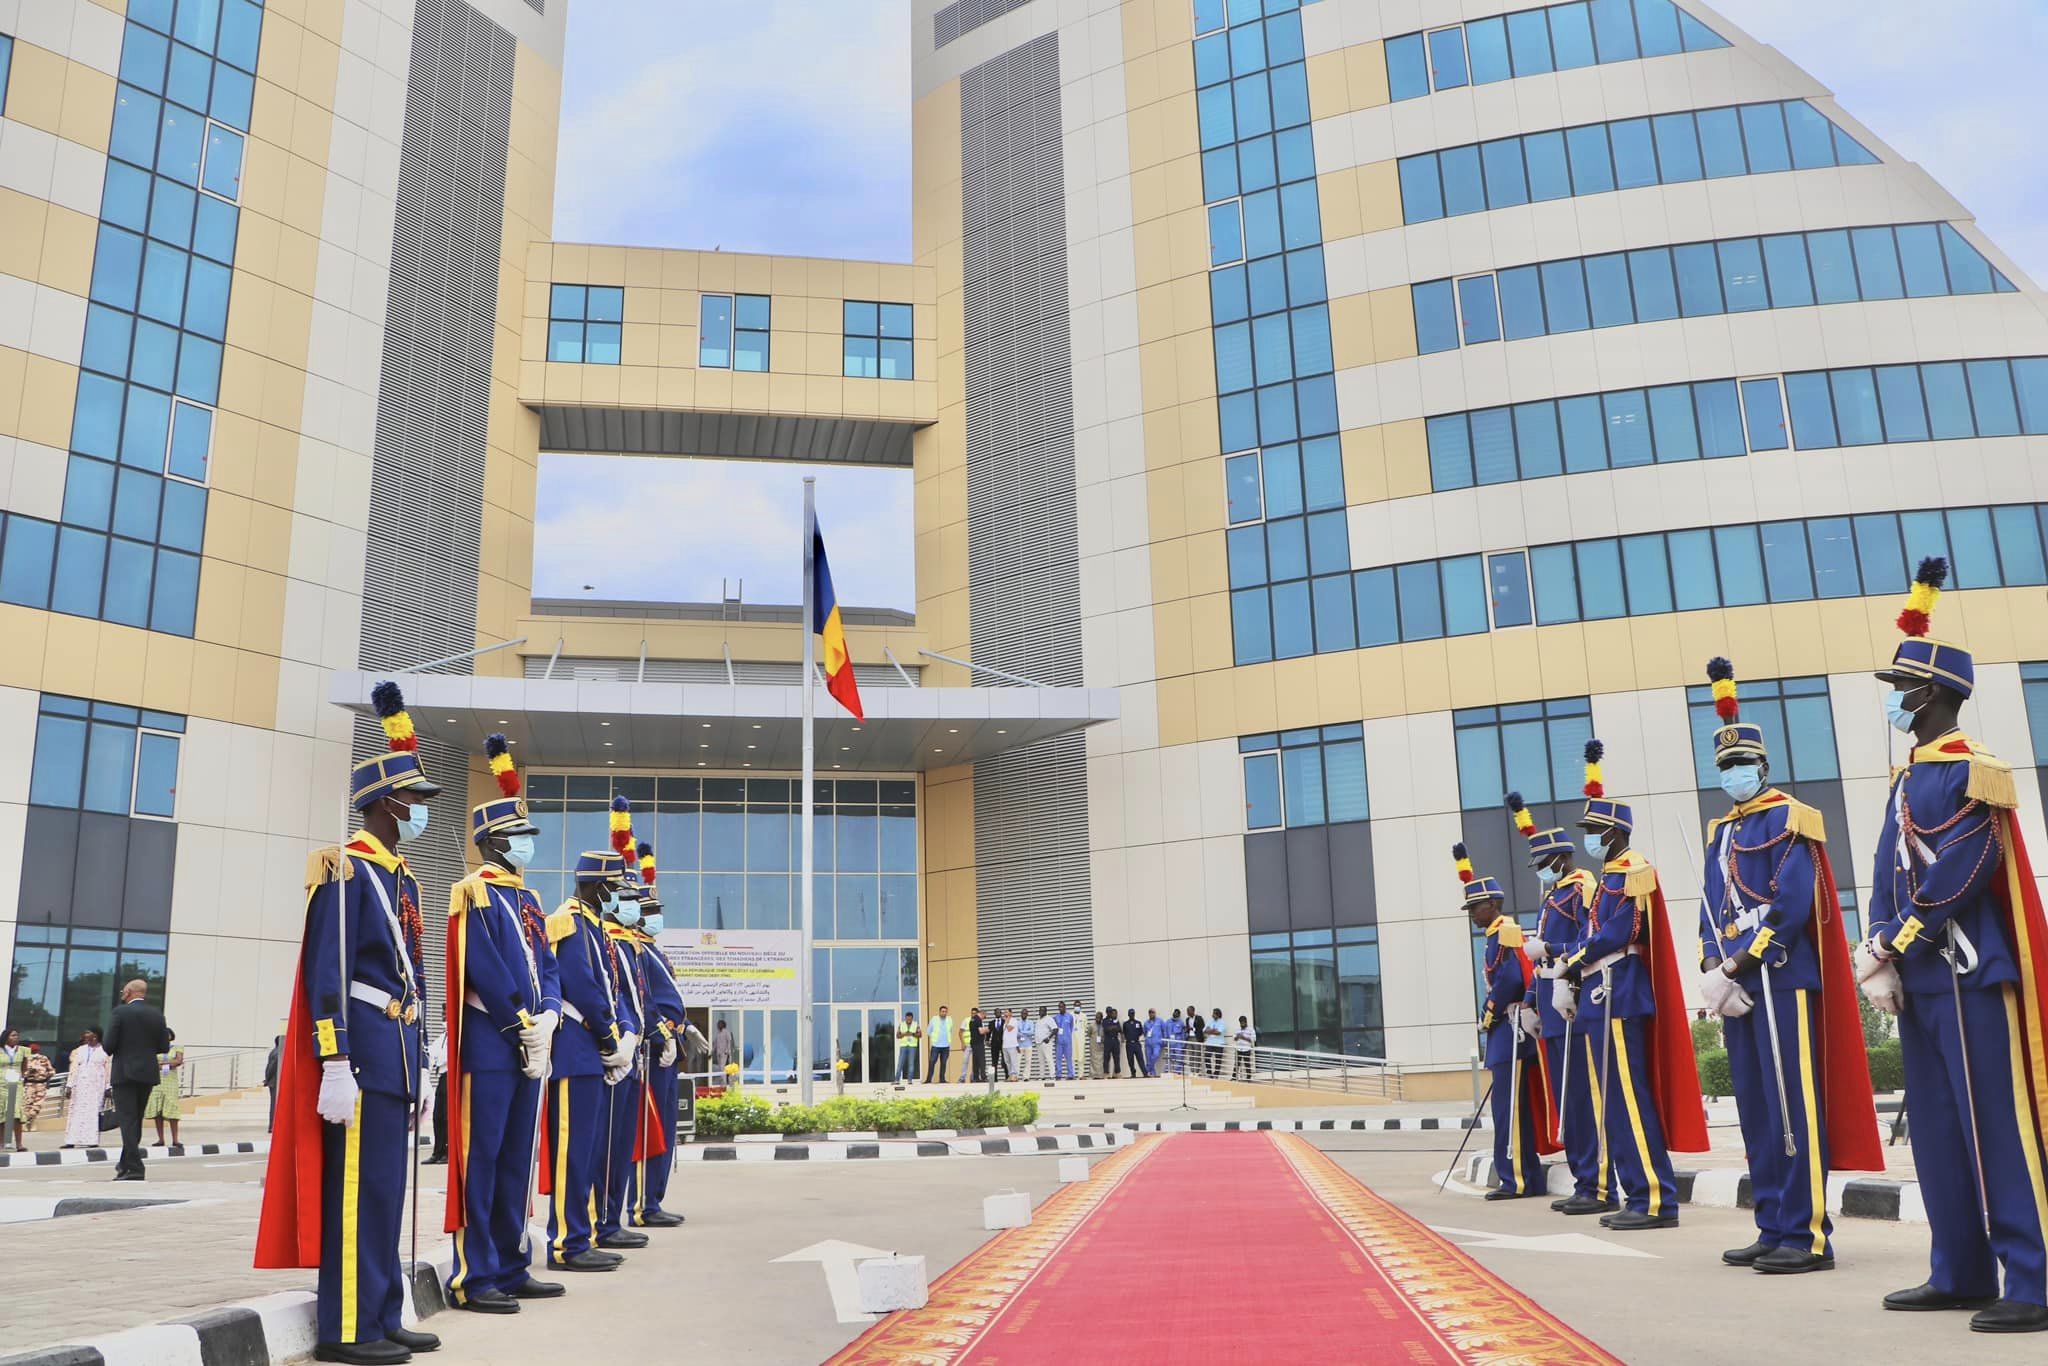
{"x": 1559, "y": 925}
{"x": 629, "y": 1094}
{"x": 1505, "y": 1021}
{"x": 592, "y": 1027}
{"x": 666, "y": 1003}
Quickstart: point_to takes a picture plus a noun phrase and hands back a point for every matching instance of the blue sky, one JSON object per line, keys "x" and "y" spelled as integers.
{"x": 784, "y": 126}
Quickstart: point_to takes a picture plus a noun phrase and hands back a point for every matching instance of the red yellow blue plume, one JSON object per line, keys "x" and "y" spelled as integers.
{"x": 1463, "y": 861}
{"x": 1722, "y": 675}
{"x": 1518, "y": 812}
{"x": 1595, "y": 785}
{"x": 647, "y": 863}
{"x": 497, "y": 751}
{"x": 389, "y": 704}
{"x": 622, "y": 825}
{"x": 1926, "y": 591}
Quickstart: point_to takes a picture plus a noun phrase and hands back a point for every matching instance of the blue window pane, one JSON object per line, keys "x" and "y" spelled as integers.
{"x": 128, "y": 583}
{"x": 1678, "y": 148}
{"x": 1293, "y": 627}
{"x": 1422, "y": 193}
{"x": 1464, "y": 596}
{"x": 1856, "y": 421}
{"x": 1378, "y": 617}
{"x": 1991, "y": 396}
{"x": 156, "y": 775}
{"x": 1628, "y": 427}
{"x": 146, "y": 429}
{"x": 1290, "y": 95}
{"x": 1300, "y": 217}
{"x": 1322, "y": 473}
{"x": 1812, "y": 409}
{"x": 2019, "y": 545}
{"x": 1973, "y": 557}
{"x": 1719, "y": 412}
{"x": 155, "y": 357}
{"x": 1948, "y": 401}
{"x": 1833, "y": 548}
{"x": 2030, "y": 377}
{"x": 1335, "y": 628}
{"x": 1600, "y": 583}
{"x": 107, "y": 336}
{"x": 1521, "y": 303}
{"x": 567, "y": 301}
{"x": 1302, "y": 781}
{"x": 81, "y": 561}
{"x": 1247, "y": 49}
{"x": 1237, "y": 419}
{"x": 1253, "y": 98}
{"x": 199, "y": 369}
{"x": 1283, "y": 482}
{"x": 1898, "y": 393}
{"x": 1785, "y": 265}
{"x": 1283, "y": 36}
{"x": 1763, "y": 132}
{"x": 1251, "y": 626}
{"x": 176, "y": 597}
{"x": 1564, "y": 296}
{"x": 1233, "y": 358}
{"x": 1742, "y": 275}
{"x": 1464, "y": 185}
{"x": 1450, "y": 452}
{"x": 1614, "y": 30}
{"x": 1329, "y": 545}
{"x": 1834, "y": 268}
{"x": 1557, "y": 584}
{"x": 135, "y": 126}
{"x": 25, "y": 562}
{"x": 1676, "y": 434}
{"x": 1507, "y": 582}
{"x": 1486, "y": 43}
{"x": 116, "y": 267}
{"x": 1741, "y": 569}
{"x": 893, "y": 359}
{"x": 1584, "y": 425}
{"x": 1529, "y": 40}
{"x": 213, "y": 234}
{"x": 1317, "y": 400}
{"x": 143, "y": 58}
{"x": 1549, "y": 168}
{"x": 1635, "y": 153}
{"x": 1655, "y": 288}
{"x": 565, "y": 342}
{"x": 1692, "y": 571}
{"x": 1493, "y": 446}
{"x": 184, "y": 519}
{"x": 234, "y": 97}
{"x": 1720, "y": 133}
{"x": 1763, "y": 415}
{"x": 1261, "y": 223}
{"x": 163, "y": 282}
{"x": 1787, "y": 570}
{"x": 1305, "y": 282}
{"x": 1286, "y": 548}
{"x": 1267, "y": 281}
{"x": 1215, "y": 118}
{"x": 1421, "y": 599}
{"x": 1226, "y": 295}
{"x": 1447, "y": 58}
{"x": 1255, "y": 168}
{"x": 1507, "y": 181}
{"x": 1272, "y": 352}
{"x": 59, "y": 766}
{"x": 1925, "y": 534}
{"x": 88, "y": 493}
{"x": 1478, "y": 762}
{"x": 1241, "y": 487}
{"x": 206, "y": 299}
{"x": 170, "y": 212}
{"x": 223, "y": 175}
{"x": 1592, "y": 163}
{"x": 1608, "y": 287}
{"x": 1262, "y": 791}
{"x": 1536, "y": 440}
{"x": 1209, "y": 15}
{"x": 180, "y": 144}
{"x": 96, "y": 417}
{"x": 1699, "y": 279}
{"x": 1877, "y": 263}
{"x": 1813, "y": 137}
{"x": 1436, "y": 318}
{"x": 1657, "y": 22}
{"x": 1647, "y": 573}
{"x": 1344, "y": 779}
{"x": 1697, "y": 36}
{"x": 607, "y": 304}
{"x": 1968, "y": 272}
{"x": 1245, "y": 547}
{"x": 125, "y": 200}
{"x": 1277, "y": 414}
{"x": 137, "y": 498}
{"x": 1407, "y": 70}
{"x": 1479, "y": 309}
{"x": 1877, "y": 550}
{"x": 1920, "y": 255}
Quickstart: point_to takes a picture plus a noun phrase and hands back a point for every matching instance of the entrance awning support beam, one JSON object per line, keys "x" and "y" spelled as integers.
{"x": 972, "y": 667}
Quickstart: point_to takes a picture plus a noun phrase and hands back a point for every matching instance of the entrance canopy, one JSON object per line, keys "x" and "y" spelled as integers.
{"x": 565, "y": 723}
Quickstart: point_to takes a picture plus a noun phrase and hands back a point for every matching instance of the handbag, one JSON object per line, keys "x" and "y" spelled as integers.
{"x": 110, "y": 1119}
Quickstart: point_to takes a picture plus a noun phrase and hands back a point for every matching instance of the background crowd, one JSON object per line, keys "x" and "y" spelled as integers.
{"x": 1066, "y": 1042}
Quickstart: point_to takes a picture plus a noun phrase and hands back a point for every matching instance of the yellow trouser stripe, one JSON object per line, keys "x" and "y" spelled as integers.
{"x": 351, "y": 1193}
{"x": 1635, "y": 1120}
{"x": 561, "y": 1181}
{"x": 461, "y": 1276}
{"x": 1816, "y": 1178}
{"x": 1599, "y": 1115}
{"x": 2023, "y": 1112}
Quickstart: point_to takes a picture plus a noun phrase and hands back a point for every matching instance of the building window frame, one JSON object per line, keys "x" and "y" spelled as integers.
{"x": 878, "y": 339}
{"x": 586, "y": 324}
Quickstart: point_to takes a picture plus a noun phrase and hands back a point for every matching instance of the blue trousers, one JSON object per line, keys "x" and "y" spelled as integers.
{"x": 1631, "y": 1126}
{"x": 651, "y": 1176}
{"x": 497, "y": 1129}
{"x": 1151, "y": 1059}
{"x": 1515, "y": 1160}
{"x": 1578, "y": 1125}
{"x": 615, "y": 1173}
{"x": 575, "y": 1141}
{"x": 363, "y": 1171}
{"x": 1964, "y": 1261}
{"x": 906, "y": 1063}
{"x": 1791, "y": 1193}
{"x": 1063, "y": 1058}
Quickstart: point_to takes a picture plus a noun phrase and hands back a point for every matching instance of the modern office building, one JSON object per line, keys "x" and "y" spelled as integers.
{"x": 1323, "y": 418}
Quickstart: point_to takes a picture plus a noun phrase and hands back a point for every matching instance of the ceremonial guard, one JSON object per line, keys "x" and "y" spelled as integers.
{"x": 592, "y": 1052}
{"x": 504, "y": 1005}
{"x": 653, "y": 1163}
{"x": 626, "y": 1118}
{"x": 1568, "y": 1061}
{"x": 1507, "y": 1023}
{"x": 1630, "y": 1000}
{"x": 349, "y": 1077}
{"x": 1958, "y": 950}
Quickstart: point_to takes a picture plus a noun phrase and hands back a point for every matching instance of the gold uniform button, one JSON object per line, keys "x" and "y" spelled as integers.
{"x": 392, "y": 1010}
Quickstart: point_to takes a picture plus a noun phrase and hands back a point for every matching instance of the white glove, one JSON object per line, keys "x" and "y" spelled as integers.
{"x": 1715, "y": 987}
{"x": 1527, "y": 1023}
{"x": 668, "y": 1054}
{"x": 538, "y": 1034}
{"x": 1565, "y": 999}
{"x": 1884, "y": 990}
{"x": 338, "y": 1092}
{"x": 536, "y": 1057}
{"x": 1738, "y": 1003}
{"x": 1869, "y": 962}
{"x": 1536, "y": 948}
{"x": 614, "y": 1073}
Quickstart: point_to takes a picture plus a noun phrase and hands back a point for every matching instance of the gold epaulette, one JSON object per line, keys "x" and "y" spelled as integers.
{"x": 1511, "y": 935}
{"x": 471, "y": 891}
{"x": 1805, "y": 821}
{"x": 561, "y": 924}
{"x": 1639, "y": 881}
{"x": 1991, "y": 781}
{"x": 326, "y": 865}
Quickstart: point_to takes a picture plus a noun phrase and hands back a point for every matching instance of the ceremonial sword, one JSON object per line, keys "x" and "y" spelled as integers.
{"x": 1955, "y": 979}
{"x": 1470, "y": 1125}
{"x": 1778, "y": 1063}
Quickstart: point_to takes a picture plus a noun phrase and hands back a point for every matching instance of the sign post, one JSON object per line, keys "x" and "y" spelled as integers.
{"x": 810, "y": 630}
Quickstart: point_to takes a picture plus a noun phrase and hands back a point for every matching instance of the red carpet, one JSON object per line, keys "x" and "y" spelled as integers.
{"x": 1243, "y": 1247}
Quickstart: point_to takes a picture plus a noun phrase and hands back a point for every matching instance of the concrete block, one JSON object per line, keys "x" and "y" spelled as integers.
{"x": 1006, "y": 1209}
{"x": 888, "y": 1283}
{"x": 1073, "y": 1169}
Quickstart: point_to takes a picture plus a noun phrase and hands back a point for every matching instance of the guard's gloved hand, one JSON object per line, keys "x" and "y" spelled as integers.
{"x": 621, "y": 1054}
{"x": 539, "y": 1033}
{"x": 338, "y": 1092}
{"x": 1871, "y": 958}
{"x": 667, "y": 1057}
{"x": 1883, "y": 988}
{"x": 1738, "y": 1003}
{"x": 1715, "y": 986}
{"x": 1536, "y": 948}
{"x": 1564, "y": 998}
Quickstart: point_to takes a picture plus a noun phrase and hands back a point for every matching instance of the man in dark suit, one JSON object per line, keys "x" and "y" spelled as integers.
{"x": 135, "y": 1036}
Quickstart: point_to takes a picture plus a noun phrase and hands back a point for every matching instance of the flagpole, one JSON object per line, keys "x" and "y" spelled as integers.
{"x": 803, "y": 962}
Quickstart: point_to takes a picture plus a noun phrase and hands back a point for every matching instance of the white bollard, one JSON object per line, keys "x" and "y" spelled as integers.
{"x": 888, "y": 1283}
{"x": 1073, "y": 1169}
{"x": 1006, "y": 1209}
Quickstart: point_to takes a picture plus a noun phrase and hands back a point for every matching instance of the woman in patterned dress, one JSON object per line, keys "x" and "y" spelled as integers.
{"x": 84, "y": 1090}
{"x": 163, "y": 1101}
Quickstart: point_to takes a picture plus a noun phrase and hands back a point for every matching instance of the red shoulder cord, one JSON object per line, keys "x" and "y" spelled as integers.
{"x": 1910, "y": 831}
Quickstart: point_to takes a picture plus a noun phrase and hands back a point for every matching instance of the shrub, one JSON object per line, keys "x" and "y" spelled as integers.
{"x": 1715, "y": 1078}
{"x": 1887, "y": 1066}
{"x": 741, "y": 1113}
{"x": 1706, "y": 1034}
{"x": 1877, "y": 1026}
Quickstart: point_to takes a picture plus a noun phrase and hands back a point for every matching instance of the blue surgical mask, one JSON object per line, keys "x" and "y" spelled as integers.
{"x": 1546, "y": 874}
{"x": 627, "y": 914}
{"x": 519, "y": 850}
{"x": 414, "y": 823}
{"x": 653, "y": 923}
{"x": 1596, "y": 845}
{"x": 1742, "y": 781}
{"x": 1895, "y": 711}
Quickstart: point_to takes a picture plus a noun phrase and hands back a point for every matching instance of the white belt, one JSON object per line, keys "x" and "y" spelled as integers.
{"x": 571, "y": 1012}
{"x": 381, "y": 1000}
{"x": 1610, "y": 960}
{"x": 1749, "y": 919}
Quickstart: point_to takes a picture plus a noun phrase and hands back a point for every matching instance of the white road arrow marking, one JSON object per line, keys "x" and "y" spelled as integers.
{"x": 1577, "y": 1243}
{"x": 837, "y": 1258}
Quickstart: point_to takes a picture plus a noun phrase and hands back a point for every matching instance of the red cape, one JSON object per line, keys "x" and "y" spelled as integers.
{"x": 1674, "y": 1073}
{"x": 2020, "y": 905}
{"x": 1847, "y": 1108}
{"x": 1536, "y": 1081}
{"x": 288, "y": 1228}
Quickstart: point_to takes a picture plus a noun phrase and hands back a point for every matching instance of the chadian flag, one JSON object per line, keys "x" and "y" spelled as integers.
{"x": 826, "y": 624}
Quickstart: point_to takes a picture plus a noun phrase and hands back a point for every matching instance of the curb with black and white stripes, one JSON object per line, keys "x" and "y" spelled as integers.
{"x": 842, "y": 1148}
{"x": 79, "y": 1157}
{"x": 1856, "y": 1197}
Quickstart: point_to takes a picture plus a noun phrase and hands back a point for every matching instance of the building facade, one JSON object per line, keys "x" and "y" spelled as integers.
{"x": 1323, "y": 418}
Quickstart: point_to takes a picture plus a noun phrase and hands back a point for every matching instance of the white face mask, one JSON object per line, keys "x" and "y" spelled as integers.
{"x": 413, "y": 823}
{"x": 1546, "y": 874}
{"x": 519, "y": 850}
{"x": 1742, "y": 781}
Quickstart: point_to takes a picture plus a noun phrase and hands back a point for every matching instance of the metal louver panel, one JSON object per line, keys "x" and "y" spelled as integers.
{"x": 427, "y": 477}
{"x": 1024, "y": 598}
{"x": 770, "y": 673}
{"x": 964, "y": 16}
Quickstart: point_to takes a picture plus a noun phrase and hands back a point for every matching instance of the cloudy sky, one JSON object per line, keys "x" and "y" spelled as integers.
{"x": 784, "y": 126}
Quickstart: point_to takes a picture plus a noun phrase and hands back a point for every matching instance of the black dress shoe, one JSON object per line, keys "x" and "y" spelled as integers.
{"x": 489, "y": 1302}
{"x": 1502, "y": 1193}
{"x": 590, "y": 1259}
{"x": 531, "y": 1289}
{"x": 414, "y": 1341}
{"x": 2010, "y": 1316}
{"x": 1793, "y": 1261}
{"x": 623, "y": 1238}
{"x": 1628, "y": 1221}
{"x": 377, "y": 1352}
{"x": 1559, "y": 1204}
{"x": 661, "y": 1218}
{"x": 1926, "y": 1298}
{"x": 1746, "y": 1256}
{"x": 435, "y": 1162}
{"x": 1587, "y": 1204}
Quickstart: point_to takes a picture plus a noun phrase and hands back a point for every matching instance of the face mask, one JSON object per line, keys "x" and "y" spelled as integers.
{"x": 653, "y": 923}
{"x": 414, "y": 823}
{"x": 519, "y": 850}
{"x": 1596, "y": 846}
{"x": 1895, "y": 711}
{"x": 626, "y": 913}
{"x": 1742, "y": 781}
{"x": 1546, "y": 875}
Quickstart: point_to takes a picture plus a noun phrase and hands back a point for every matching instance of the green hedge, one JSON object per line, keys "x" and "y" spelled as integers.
{"x": 738, "y": 1112}
{"x": 1714, "y": 1076}
{"x": 1887, "y": 1069}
